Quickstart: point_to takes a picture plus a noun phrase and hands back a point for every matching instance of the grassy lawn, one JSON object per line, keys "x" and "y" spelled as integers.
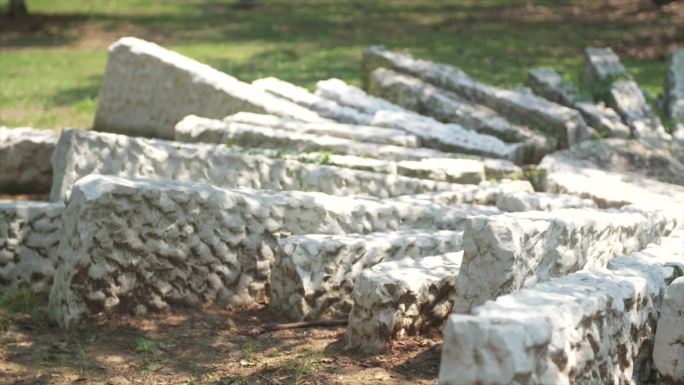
{"x": 51, "y": 64}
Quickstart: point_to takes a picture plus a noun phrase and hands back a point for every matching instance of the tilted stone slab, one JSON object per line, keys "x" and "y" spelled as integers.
{"x": 566, "y": 174}
{"x": 194, "y": 128}
{"x": 424, "y": 98}
{"x": 25, "y": 160}
{"x": 370, "y": 134}
{"x": 449, "y": 137}
{"x": 354, "y": 97}
{"x": 324, "y": 107}
{"x": 539, "y": 201}
{"x": 548, "y": 83}
{"x": 507, "y": 252}
{"x": 29, "y": 234}
{"x": 147, "y": 89}
{"x": 674, "y": 92}
{"x": 399, "y": 298}
{"x": 564, "y": 124}
{"x": 668, "y": 352}
{"x": 314, "y": 275}
{"x": 79, "y": 153}
{"x": 601, "y": 65}
{"x": 595, "y": 326}
{"x": 448, "y": 170}
{"x": 628, "y": 100}
{"x": 485, "y": 193}
{"x": 133, "y": 245}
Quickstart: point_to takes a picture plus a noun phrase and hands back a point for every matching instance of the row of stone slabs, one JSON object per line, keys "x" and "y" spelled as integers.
{"x": 134, "y": 245}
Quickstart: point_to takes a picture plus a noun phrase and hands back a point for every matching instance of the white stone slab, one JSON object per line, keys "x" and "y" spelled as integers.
{"x": 668, "y": 352}
{"x": 354, "y": 97}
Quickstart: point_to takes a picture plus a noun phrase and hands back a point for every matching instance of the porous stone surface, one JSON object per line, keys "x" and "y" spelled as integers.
{"x": 354, "y": 97}
{"x": 507, "y": 252}
{"x": 424, "y": 98}
{"x": 314, "y": 275}
{"x": 485, "y": 193}
{"x": 448, "y": 170}
{"x": 674, "y": 91}
{"x": 595, "y": 326}
{"x": 398, "y": 298}
{"x": 133, "y": 246}
{"x": 25, "y": 160}
{"x": 147, "y": 89}
{"x": 563, "y": 123}
{"x": 548, "y": 83}
{"x": 194, "y": 128}
{"x": 668, "y": 352}
{"x": 565, "y": 173}
{"x": 539, "y": 201}
{"x": 603, "y": 119}
{"x": 449, "y": 137}
{"x": 349, "y": 131}
{"x": 324, "y": 107}
{"x": 29, "y": 234}
{"x": 79, "y": 153}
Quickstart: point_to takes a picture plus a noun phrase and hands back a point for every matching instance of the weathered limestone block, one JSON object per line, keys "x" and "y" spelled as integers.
{"x": 79, "y": 153}
{"x": 604, "y": 74}
{"x": 314, "y": 275}
{"x": 548, "y": 83}
{"x": 25, "y": 160}
{"x": 194, "y": 128}
{"x": 564, "y": 173}
{"x": 449, "y": 137}
{"x": 371, "y": 134}
{"x": 485, "y": 193}
{"x": 595, "y": 326}
{"x": 668, "y": 352}
{"x": 350, "y": 161}
{"x": 674, "y": 92}
{"x": 354, "y": 97}
{"x": 134, "y": 245}
{"x": 603, "y": 119}
{"x": 398, "y": 298}
{"x": 324, "y": 107}
{"x": 507, "y": 252}
{"x": 448, "y": 170}
{"x": 147, "y": 89}
{"x": 628, "y": 100}
{"x": 539, "y": 201}
{"x": 424, "y": 98}
{"x": 29, "y": 234}
{"x": 562, "y": 123}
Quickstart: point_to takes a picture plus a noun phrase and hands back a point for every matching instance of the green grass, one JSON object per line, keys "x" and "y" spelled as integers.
{"x": 51, "y": 65}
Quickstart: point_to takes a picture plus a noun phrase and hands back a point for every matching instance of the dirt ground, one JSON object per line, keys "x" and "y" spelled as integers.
{"x": 213, "y": 346}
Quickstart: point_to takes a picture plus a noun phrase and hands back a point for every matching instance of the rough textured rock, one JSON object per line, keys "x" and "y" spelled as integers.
{"x": 25, "y": 160}
{"x": 595, "y": 326}
{"x": 549, "y": 84}
{"x": 79, "y": 153}
{"x": 668, "y": 352}
{"x": 324, "y": 107}
{"x": 314, "y": 275}
{"x": 604, "y": 75}
{"x": 194, "y": 128}
{"x": 563, "y": 123}
{"x": 398, "y": 298}
{"x": 354, "y": 97}
{"x": 424, "y": 98}
{"x": 448, "y": 170}
{"x": 449, "y": 137}
{"x": 603, "y": 119}
{"x": 132, "y": 245}
{"x": 507, "y": 252}
{"x": 485, "y": 193}
{"x": 539, "y": 201}
{"x": 361, "y": 133}
{"x": 29, "y": 235}
{"x": 147, "y": 89}
{"x": 674, "y": 92}
{"x": 564, "y": 173}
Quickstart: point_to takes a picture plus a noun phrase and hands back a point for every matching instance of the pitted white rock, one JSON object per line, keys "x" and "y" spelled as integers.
{"x": 25, "y": 160}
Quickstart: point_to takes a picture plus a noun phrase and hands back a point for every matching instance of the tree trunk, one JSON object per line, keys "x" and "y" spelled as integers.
{"x": 17, "y": 8}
